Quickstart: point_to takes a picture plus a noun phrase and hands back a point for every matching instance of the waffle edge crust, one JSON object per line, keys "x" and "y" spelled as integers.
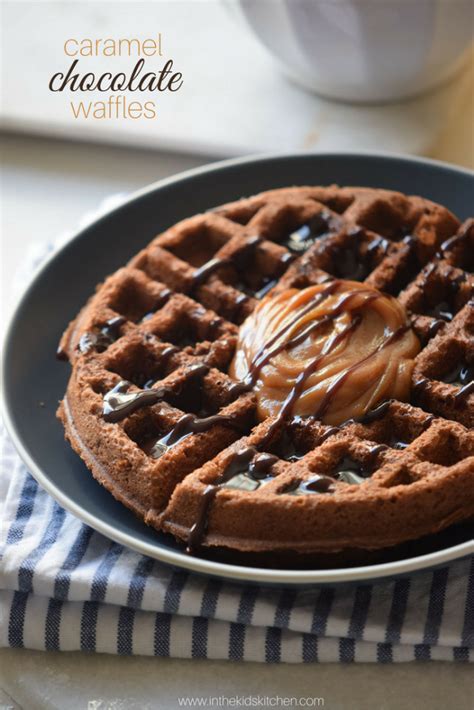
{"x": 167, "y": 324}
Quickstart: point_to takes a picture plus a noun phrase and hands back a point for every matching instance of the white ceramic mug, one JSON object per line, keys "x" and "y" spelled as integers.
{"x": 364, "y": 50}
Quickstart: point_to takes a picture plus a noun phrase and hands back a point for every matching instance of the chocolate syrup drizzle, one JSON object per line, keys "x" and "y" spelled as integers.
{"x": 351, "y": 264}
{"x": 165, "y": 356}
{"x": 266, "y": 288}
{"x": 288, "y": 449}
{"x": 238, "y": 262}
{"x": 257, "y": 472}
{"x": 374, "y": 414}
{"x": 433, "y": 329}
{"x": 267, "y": 352}
{"x": 248, "y": 459}
{"x": 347, "y": 470}
{"x": 339, "y": 381}
{"x": 118, "y": 403}
{"x": 316, "y": 484}
{"x": 206, "y": 270}
{"x": 444, "y": 310}
{"x": 368, "y": 418}
{"x": 294, "y": 395}
{"x": 185, "y": 426}
{"x": 461, "y": 375}
{"x": 464, "y": 392}
{"x": 320, "y": 226}
{"x": 449, "y": 244}
{"x": 163, "y": 297}
{"x": 464, "y": 371}
{"x": 107, "y": 334}
{"x": 99, "y": 340}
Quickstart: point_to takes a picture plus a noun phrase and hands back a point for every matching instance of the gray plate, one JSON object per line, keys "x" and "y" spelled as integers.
{"x": 31, "y": 374}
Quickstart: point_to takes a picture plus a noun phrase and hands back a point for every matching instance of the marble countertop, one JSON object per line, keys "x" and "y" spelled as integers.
{"x": 47, "y": 186}
{"x": 33, "y": 680}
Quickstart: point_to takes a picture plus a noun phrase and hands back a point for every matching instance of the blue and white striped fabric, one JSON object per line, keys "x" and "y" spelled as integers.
{"x": 65, "y": 587}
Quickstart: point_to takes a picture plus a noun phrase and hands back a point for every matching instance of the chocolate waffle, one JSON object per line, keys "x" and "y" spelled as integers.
{"x": 157, "y": 409}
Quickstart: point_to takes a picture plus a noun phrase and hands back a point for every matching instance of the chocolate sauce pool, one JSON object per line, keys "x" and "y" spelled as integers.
{"x": 258, "y": 466}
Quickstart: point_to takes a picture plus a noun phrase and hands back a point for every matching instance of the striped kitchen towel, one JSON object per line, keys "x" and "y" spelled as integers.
{"x": 65, "y": 587}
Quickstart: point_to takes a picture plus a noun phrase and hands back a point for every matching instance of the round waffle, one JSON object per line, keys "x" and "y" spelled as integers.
{"x": 154, "y": 413}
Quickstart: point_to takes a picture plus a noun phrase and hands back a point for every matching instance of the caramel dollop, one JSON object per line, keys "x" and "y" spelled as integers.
{"x": 334, "y": 351}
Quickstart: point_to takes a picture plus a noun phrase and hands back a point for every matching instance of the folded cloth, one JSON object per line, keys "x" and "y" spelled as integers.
{"x": 65, "y": 587}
